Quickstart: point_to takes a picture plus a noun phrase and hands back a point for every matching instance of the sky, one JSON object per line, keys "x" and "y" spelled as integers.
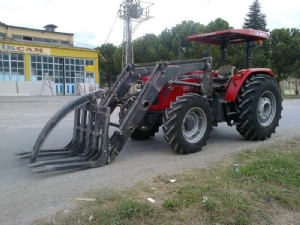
{"x": 95, "y": 22}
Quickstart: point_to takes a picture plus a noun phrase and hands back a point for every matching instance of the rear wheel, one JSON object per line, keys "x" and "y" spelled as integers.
{"x": 259, "y": 105}
{"x": 187, "y": 123}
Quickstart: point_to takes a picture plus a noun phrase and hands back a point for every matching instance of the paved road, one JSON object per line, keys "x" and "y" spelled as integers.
{"x": 26, "y": 196}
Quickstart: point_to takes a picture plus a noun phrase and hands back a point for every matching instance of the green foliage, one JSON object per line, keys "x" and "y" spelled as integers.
{"x": 285, "y": 52}
{"x": 118, "y": 59}
{"x": 131, "y": 208}
{"x": 108, "y": 71}
{"x": 218, "y": 24}
{"x": 182, "y": 31}
{"x": 282, "y": 170}
{"x": 171, "y": 204}
{"x": 261, "y": 56}
{"x": 145, "y": 49}
{"x": 255, "y": 18}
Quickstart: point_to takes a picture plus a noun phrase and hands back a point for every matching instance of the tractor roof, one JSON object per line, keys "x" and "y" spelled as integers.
{"x": 233, "y": 36}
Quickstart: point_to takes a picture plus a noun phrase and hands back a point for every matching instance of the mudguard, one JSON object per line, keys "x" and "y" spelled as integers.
{"x": 239, "y": 78}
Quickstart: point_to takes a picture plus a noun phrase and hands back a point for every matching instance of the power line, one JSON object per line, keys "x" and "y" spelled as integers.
{"x": 84, "y": 44}
{"x": 193, "y": 3}
{"x": 112, "y": 27}
{"x": 80, "y": 33}
{"x": 88, "y": 38}
{"x": 87, "y": 34}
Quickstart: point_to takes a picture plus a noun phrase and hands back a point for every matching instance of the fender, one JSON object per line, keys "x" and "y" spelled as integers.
{"x": 239, "y": 78}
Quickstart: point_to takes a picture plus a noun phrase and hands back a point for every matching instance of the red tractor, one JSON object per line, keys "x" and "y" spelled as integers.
{"x": 186, "y": 97}
{"x": 248, "y": 98}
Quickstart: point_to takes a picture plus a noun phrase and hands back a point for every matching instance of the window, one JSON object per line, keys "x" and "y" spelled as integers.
{"x": 26, "y": 38}
{"x": 89, "y": 62}
{"x": 46, "y": 40}
{"x": 39, "y": 59}
{"x": 75, "y": 70}
{"x": 47, "y": 65}
{"x": 11, "y": 67}
{"x": 17, "y": 67}
{"x": 17, "y": 37}
{"x": 64, "y": 42}
{"x": 2, "y": 35}
{"x": 65, "y": 72}
{"x": 55, "y": 41}
{"x": 37, "y": 39}
{"x": 89, "y": 78}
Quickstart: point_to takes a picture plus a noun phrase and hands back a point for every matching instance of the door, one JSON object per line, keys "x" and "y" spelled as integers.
{"x": 69, "y": 89}
{"x": 59, "y": 89}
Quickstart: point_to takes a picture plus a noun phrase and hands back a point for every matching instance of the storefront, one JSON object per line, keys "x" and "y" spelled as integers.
{"x": 66, "y": 66}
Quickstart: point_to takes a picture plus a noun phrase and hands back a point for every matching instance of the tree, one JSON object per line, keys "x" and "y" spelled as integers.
{"x": 182, "y": 31}
{"x": 217, "y": 24}
{"x": 255, "y": 18}
{"x": 261, "y": 55}
{"x": 145, "y": 49}
{"x": 285, "y": 52}
{"x": 165, "y": 45}
{"x": 108, "y": 71}
{"x": 118, "y": 54}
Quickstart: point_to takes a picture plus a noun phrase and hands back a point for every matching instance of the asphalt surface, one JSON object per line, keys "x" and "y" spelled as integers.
{"x": 26, "y": 196}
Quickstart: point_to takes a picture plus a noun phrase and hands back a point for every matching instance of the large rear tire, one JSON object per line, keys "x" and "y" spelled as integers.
{"x": 187, "y": 123}
{"x": 259, "y": 106}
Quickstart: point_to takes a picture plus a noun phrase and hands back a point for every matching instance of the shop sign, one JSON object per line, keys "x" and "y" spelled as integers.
{"x": 90, "y": 68}
{"x": 24, "y": 49}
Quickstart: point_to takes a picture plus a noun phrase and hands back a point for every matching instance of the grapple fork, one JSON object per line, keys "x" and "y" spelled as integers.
{"x": 89, "y": 142}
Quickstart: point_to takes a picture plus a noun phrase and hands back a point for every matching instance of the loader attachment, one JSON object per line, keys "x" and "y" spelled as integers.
{"x": 91, "y": 145}
{"x": 89, "y": 141}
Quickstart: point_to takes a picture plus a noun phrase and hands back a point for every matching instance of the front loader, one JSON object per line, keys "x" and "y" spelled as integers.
{"x": 186, "y": 97}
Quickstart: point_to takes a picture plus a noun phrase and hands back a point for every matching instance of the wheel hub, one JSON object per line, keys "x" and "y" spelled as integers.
{"x": 189, "y": 123}
{"x": 194, "y": 125}
{"x": 266, "y": 108}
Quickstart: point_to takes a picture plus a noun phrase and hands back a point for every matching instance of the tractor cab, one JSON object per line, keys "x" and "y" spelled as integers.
{"x": 233, "y": 36}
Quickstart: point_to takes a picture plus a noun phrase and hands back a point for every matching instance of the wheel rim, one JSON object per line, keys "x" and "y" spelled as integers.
{"x": 266, "y": 108}
{"x": 194, "y": 125}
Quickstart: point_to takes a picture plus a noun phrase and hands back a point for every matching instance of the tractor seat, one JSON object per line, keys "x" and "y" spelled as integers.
{"x": 226, "y": 71}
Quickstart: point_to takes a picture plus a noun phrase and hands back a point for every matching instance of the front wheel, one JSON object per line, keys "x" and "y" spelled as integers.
{"x": 187, "y": 123}
{"x": 259, "y": 106}
{"x": 142, "y": 134}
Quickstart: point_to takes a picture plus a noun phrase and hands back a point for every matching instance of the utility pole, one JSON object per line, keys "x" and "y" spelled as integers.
{"x": 179, "y": 47}
{"x": 132, "y": 11}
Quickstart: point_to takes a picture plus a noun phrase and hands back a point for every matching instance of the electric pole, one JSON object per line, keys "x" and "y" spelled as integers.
{"x": 132, "y": 11}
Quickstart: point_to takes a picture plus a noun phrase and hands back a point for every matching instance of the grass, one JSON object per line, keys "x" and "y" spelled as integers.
{"x": 253, "y": 187}
{"x": 291, "y": 96}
